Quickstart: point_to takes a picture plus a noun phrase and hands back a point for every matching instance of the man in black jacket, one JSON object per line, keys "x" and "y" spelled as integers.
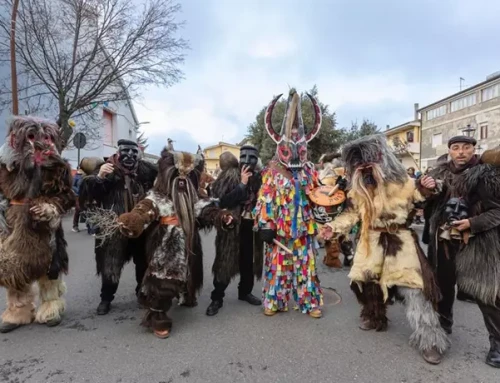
{"x": 240, "y": 250}
{"x": 120, "y": 183}
{"x": 464, "y": 241}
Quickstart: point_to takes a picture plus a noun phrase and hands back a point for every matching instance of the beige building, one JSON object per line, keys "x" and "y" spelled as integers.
{"x": 474, "y": 111}
{"x": 404, "y": 139}
{"x": 212, "y": 154}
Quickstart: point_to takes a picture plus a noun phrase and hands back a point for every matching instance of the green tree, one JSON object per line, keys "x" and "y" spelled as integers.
{"x": 355, "y": 131}
{"x": 328, "y": 139}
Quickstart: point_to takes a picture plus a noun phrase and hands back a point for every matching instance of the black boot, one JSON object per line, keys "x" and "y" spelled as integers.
{"x": 461, "y": 296}
{"x": 103, "y": 308}
{"x": 250, "y": 298}
{"x": 214, "y": 308}
{"x": 493, "y": 358}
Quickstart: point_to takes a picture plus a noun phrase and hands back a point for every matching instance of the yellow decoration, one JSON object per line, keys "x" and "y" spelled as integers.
{"x": 71, "y": 123}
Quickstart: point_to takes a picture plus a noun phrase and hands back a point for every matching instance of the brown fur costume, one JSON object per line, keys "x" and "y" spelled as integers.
{"x": 172, "y": 213}
{"x": 388, "y": 255}
{"x": 35, "y": 183}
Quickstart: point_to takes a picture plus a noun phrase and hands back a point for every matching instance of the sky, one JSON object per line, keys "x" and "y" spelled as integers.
{"x": 370, "y": 59}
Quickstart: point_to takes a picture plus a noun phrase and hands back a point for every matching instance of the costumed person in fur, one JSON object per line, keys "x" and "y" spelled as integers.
{"x": 240, "y": 250}
{"x": 36, "y": 192}
{"x": 283, "y": 215}
{"x": 388, "y": 258}
{"x": 170, "y": 217}
{"x": 464, "y": 246}
{"x": 122, "y": 181}
{"x": 332, "y": 174}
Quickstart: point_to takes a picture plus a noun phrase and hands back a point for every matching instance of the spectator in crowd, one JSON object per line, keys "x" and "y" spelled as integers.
{"x": 77, "y": 179}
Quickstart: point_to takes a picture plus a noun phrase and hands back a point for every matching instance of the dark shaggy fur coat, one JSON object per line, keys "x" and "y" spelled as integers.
{"x": 172, "y": 214}
{"x": 31, "y": 249}
{"x": 233, "y": 195}
{"x": 111, "y": 193}
{"x": 434, "y": 207}
{"x": 478, "y": 261}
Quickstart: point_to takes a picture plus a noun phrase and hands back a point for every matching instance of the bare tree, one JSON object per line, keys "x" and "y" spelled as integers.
{"x": 76, "y": 54}
{"x": 142, "y": 141}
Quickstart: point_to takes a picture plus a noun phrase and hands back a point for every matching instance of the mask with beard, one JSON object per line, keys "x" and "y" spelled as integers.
{"x": 368, "y": 178}
{"x": 128, "y": 154}
{"x": 32, "y": 143}
{"x": 249, "y": 156}
{"x": 456, "y": 209}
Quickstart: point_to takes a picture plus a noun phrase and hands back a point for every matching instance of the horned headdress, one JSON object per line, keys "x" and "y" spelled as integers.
{"x": 293, "y": 139}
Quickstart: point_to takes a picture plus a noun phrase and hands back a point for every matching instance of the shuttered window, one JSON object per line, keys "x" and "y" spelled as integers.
{"x": 108, "y": 128}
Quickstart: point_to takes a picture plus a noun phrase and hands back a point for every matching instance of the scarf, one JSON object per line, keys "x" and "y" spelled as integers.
{"x": 459, "y": 169}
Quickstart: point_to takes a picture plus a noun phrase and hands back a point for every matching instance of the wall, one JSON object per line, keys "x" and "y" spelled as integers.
{"x": 213, "y": 153}
{"x": 123, "y": 127}
{"x": 411, "y": 159}
{"x": 451, "y": 124}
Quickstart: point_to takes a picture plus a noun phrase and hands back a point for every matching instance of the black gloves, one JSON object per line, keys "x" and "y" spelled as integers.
{"x": 267, "y": 235}
{"x": 342, "y": 182}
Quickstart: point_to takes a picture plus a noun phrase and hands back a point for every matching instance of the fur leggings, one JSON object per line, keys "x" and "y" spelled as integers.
{"x": 21, "y": 303}
{"x": 423, "y": 319}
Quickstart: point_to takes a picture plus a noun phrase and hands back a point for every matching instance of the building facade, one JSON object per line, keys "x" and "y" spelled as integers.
{"x": 404, "y": 140}
{"x": 212, "y": 154}
{"x": 474, "y": 111}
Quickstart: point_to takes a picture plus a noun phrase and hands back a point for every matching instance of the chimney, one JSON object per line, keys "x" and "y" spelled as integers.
{"x": 416, "y": 107}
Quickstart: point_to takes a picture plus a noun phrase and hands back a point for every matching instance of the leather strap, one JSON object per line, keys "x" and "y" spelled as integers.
{"x": 18, "y": 202}
{"x": 170, "y": 220}
{"x": 391, "y": 228}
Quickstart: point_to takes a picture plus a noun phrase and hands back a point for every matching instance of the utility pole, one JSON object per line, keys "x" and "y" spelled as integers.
{"x": 13, "y": 67}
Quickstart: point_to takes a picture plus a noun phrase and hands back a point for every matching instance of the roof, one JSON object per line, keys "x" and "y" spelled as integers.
{"x": 398, "y": 128}
{"x": 463, "y": 92}
{"x": 221, "y": 144}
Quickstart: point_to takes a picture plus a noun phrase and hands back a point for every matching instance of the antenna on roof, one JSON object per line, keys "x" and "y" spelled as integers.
{"x": 461, "y": 79}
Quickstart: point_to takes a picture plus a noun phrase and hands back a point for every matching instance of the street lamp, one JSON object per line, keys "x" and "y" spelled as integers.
{"x": 469, "y": 131}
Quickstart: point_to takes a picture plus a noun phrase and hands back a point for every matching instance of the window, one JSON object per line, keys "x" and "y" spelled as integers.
{"x": 435, "y": 113}
{"x": 463, "y": 102}
{"x": 409, "y": 136}
{"x": 437, "y": 140}
{"x": 108, "y": 127}
{"x": 484, "y": 132}
{"x": 491, "y": 92}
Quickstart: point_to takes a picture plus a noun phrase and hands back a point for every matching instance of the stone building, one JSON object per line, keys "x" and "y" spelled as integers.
{"x": 474, "y": 111}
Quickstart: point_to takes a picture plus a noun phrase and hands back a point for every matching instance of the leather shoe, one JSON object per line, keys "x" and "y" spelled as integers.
{"x": 8, "y": 327}
{"x": 252, "y": 299}
{"x": 366, "y": 325}
{"x": 103, "y": 308}
{"x": 461, "y": 296}
{"x": 54, "y": 322}
{"x": 432, "y": 356}
{"x": 493, "y": 358}
{"x": 214, "y": 308}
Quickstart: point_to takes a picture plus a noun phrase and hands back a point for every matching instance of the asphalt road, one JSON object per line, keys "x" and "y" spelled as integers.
{"x": 240, "y": 344}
